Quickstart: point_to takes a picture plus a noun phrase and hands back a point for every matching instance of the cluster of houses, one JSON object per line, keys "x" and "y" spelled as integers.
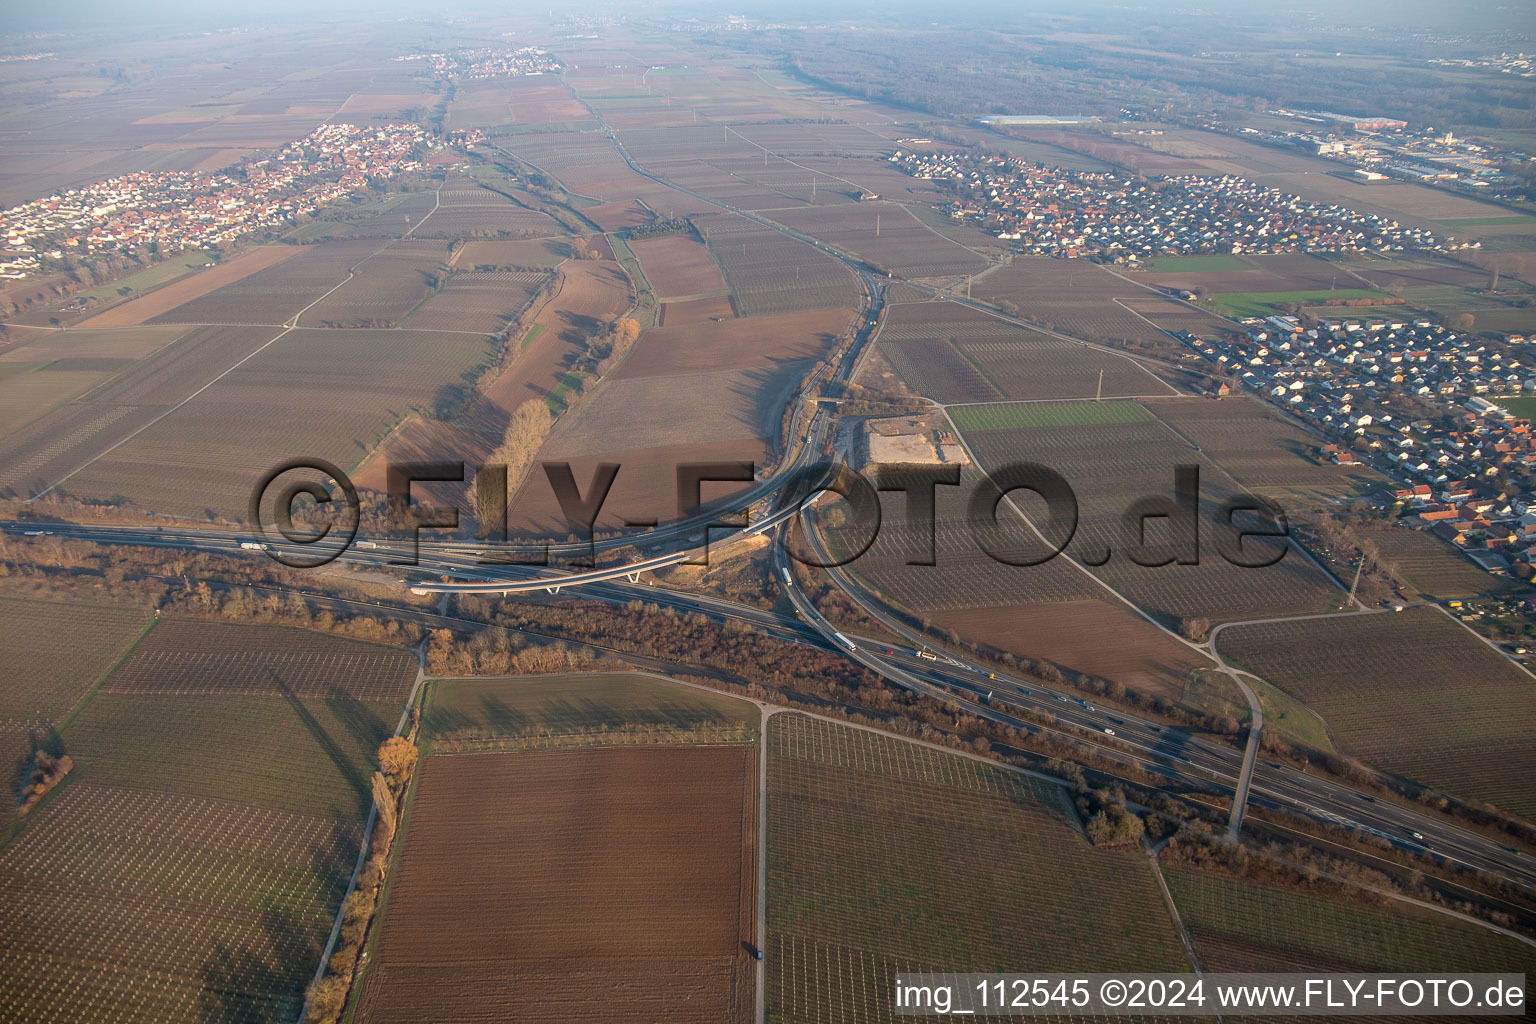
{"x": 1353, "y": 378}
{"x": 1521, "y": 64}
{"x": 1069, "y": 213}
{"x": 488, "y": 62}
{"x": 176, "y": 210}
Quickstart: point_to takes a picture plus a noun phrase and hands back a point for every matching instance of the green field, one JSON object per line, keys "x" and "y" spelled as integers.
{"x": 305, "y": 755}
{"x": 1412, "y": 693}
{"x": 630, "y": 262}
{"x": 167, "y": 270}
{"x": 1239, "y": 304}
{"x": 1197, "y": 264}
{"x": 1243, "y": 926}
{"x": 535, "y": 712}
{"x": 1215, "y": 693}
{"x": 560, "y": 396}
{"x": 1524, "y": 406}
{"x": 1045, "y": 414}
{"x": 886, "y": 856}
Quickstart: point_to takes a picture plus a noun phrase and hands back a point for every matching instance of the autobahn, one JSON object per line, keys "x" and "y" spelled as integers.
{"x": 1164, "y": 750}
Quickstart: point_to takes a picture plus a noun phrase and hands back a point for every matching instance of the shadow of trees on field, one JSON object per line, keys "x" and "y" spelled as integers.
{"x": 263, "y": 981}
{"x": 365, "y": 727}
{"x": 491, "y": 716}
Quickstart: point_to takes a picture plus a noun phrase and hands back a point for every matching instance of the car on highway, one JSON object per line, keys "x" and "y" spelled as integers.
{"x": 1108, "y": 731}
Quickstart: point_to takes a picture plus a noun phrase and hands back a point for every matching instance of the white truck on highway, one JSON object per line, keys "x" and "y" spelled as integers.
{"x": 253, "y": 545}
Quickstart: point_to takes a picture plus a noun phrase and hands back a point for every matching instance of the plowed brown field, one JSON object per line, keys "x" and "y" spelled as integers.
{"x": 679, "y": 266}
{"x": 607, "y": 884}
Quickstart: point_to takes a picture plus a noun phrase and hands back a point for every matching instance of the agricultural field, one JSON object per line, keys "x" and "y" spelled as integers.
{"x": 1261, "y": 285}
{"x": 645, "y": 488}
{"x": 83, "y": 303}
{"x": 1020, "y": 415}
{"x": 863, "y": 880}
{"x": 1111, "y": 466}
{"x": 467, "y": 209}
{"x": 1432, "y": 567}
{"x": 736, "y": 344}
{"x": 1052, "y": 610}
{"x": 769, "y": 272}
{"x": 1280, "y": 272}
{"x": 656, "y": 411}
{"x": 512, "y": 254}
{"x": 543, "y": 100}
{"x": 679, "y": 267}
{"x": 142, "y": 307}
{"x": 1412, "y": 693}
{"x": 618, "y": 216}
{"x": 45, "y": 680}
{"x": 276, "y": 294}
{"x": 727, "y": 167}
{"x": 304, "y": 755}
{"x": 696, "y": 311}
{"x": 650, "y": 425}
{"x": 1241, "y": 304}
{"x": 514, "y": 100}
{"x": 955, "y": 354}
{"x": 1099, "y": 636}
{"x": 964, "y": 575}
{"x": 330, "y": 394}
{"x": 386, "y": 106}
{"x": 586, "y": 297}
{"x": 632, "y": 898}
{"x": 1240, "y": 926}
{"x": 589, "y": 296}
{"x": 1265, "y": 453}
{"x": 128, "y": 905}
{"x": 189, "y": 867}
{"x": 886, "y": 235}
{"x": 544, "y": 712}
{"x": 1173, "y": 317}
{"x": 1073, "y": 296}
{"x": 588, "y": 166}
{"x": 44, "y": 370}
{"x": 384, "y": 288}
{"x": 478, "y": 302}
{"x": 584, "y": 164}
{"x": 65, "y": 438}
{"x": 390, "y": 217}
{"x": 1163, "y": 265}
{"x": 183, "y": 656}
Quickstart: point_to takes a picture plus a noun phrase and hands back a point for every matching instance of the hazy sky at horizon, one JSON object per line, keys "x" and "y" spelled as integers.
{"x": 88, "y": 14}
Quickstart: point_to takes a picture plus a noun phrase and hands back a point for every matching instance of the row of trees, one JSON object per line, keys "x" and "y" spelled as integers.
{"x": 327, "y": 997}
